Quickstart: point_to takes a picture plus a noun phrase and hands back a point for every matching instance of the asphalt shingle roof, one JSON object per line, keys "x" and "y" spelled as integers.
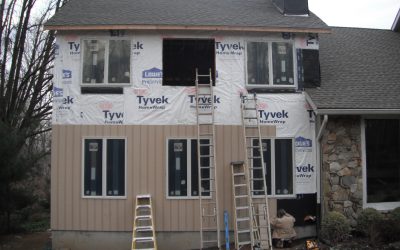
{"x": 360, "y": 70}
{"x": 244, "y": 13}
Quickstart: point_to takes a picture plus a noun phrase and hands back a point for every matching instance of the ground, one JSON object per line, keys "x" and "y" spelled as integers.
{"x": 31, "y": 241}
{"x": 42, "y": 241}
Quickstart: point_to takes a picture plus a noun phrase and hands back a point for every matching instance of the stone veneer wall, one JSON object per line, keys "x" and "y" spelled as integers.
{"x": 341, "y": 166}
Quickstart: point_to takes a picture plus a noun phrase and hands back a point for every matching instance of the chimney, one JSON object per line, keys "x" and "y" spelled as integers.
{"x": 292, "y": 7}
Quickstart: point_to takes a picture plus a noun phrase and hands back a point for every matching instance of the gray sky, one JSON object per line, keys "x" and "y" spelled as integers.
{"x": 378, "y": 14}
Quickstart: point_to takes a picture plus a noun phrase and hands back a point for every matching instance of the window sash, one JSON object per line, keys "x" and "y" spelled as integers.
{"x": 273, "y": 66}
{"x": 382, "y": 147}
{"x": 109, "y": 64}
{"x": 273, "y": 172}
{"x": 112, "y": 157}
{"x": 189, "y": 161}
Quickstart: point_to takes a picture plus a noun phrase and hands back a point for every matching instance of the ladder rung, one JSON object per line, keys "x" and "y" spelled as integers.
{"x": 243, "y": 231}
{"x": 143, "y": 217}
{"x": 254, "y": 157}
{"x": 208, "y": 191}
{"x": 205, "y": 134}
{"x": 209, "y": 215}
{"x": 209, "y": 229}
{"x": 241, "y": 196}
{"x": 239, "y": 174}
{"x": 144, "y": 239}
{"x": 257, "y": 190}
{"x": 204, "y": 75}
{"x": 256, "y": 179}
{"x": 206, "y": 179}
{"x": 244, "y": 242}
{"x": 206, "y": 123}
{"x": 251, "y": 126}
{"x": 207, "y": 156}
{"x": 242, "y": 208}
{"x": 143, "y": 206}
{"x": 209, "y": 202}
{"x": 144, "y": 228}
{"x": 210, "y": 241}
{"x": 243, "y": 219}
{"x": 240, "y": 185}
{"x": 206, "y": 167}
{"x": 206, "y": 113}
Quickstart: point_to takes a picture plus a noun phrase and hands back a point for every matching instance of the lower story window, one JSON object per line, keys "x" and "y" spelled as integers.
{"x": 182, "y": 166}
{"x": 278, "y": 162}
{"x": 382, "y": 152}
{"x": 104, "y": 167}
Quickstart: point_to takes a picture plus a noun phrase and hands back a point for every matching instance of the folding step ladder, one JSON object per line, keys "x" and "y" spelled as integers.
{"x": 144, "y": 236}
{"x": 243, "y": 222}
{"x": 256, "y": 171}
{"x": 207, "y": 172}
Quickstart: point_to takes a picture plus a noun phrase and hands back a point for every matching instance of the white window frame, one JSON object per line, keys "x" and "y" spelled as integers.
{"x": 271, "y": 83}
{"x": 104, "y": 169}
{"x": 106, "y": 58}
{"x": 273, "y": 188}
{"x": 188, "y": 171}
{"x": 382, "y": 206}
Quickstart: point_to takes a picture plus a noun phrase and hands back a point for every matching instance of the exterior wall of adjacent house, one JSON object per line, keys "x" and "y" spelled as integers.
{"x": 83, "y": 222}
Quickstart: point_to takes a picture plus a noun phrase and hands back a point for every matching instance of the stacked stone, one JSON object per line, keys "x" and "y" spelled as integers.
{"x": 342, "y": 168}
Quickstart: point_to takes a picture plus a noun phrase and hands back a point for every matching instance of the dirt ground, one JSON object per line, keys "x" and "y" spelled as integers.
{"x": 31, "y": 241}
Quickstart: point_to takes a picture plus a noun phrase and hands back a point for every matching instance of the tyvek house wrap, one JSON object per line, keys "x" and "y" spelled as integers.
{"x": 146, "y": 102}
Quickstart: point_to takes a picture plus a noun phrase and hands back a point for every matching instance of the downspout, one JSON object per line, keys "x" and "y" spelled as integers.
{"x": 320, "y": 198}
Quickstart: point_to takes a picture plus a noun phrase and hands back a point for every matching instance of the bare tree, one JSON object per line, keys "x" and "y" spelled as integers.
{"x": 26, "y": 58}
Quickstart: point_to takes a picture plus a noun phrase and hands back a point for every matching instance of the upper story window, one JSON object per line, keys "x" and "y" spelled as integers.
{"x": 181, "y": 57}
{"x": 270, "y": 64}
{"x": 106, "y": 62}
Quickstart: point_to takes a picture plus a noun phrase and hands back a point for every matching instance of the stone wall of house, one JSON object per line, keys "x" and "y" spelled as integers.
{"x": 341, "y": 166}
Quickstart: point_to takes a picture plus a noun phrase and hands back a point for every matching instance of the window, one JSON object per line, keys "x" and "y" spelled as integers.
{"x": 309, "y": 75}
{"x": 382, "y": 156}
{"x": 104, "y": 167}
{"x": 106, "y": 62}
{"x": 181, "y": 57}
{"x": 183, "y": 168}
{"x": 278, "y": 159}
{"x": 270, "y": 64}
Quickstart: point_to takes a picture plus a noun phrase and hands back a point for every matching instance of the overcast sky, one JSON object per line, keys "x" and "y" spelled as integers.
{"x": 378, "y": 14}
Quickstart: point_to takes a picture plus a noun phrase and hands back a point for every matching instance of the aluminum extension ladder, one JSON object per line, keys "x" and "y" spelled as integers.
{"x": 143, "y": 226}
{"x": 207, "y": 172}
{"x": 261, "y": 230}
{"x": 243, "y": 222}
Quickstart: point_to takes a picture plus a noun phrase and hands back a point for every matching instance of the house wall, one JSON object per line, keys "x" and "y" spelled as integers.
{"x": 146, "y": 173}
{"x": 342, "y": 183}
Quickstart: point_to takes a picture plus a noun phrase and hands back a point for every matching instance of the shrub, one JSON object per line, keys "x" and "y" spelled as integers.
{"x": 335, "y": 227}
{"x": 368, "y": 223}
{"x": 395, "y": 214}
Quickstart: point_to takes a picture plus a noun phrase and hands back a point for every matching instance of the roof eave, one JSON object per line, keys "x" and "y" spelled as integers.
{"x": 326, "y": 111}
{"x": 187, "y": 27}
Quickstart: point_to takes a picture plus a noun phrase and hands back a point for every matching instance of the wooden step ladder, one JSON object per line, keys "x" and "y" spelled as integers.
{"x": 261, "y": 231}
{"x": 207, "y": 172}
{"x": 243, "y": 222}
{"x": 143, "y": 226}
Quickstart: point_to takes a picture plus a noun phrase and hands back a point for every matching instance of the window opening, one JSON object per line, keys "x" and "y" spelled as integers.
{"x": 181, "y": 57}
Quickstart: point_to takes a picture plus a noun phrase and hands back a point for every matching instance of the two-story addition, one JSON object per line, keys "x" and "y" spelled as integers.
{"x": 124, "y": 112}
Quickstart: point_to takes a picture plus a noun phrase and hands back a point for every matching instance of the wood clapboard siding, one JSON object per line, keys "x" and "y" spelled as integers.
{"x": 145, "y": 173}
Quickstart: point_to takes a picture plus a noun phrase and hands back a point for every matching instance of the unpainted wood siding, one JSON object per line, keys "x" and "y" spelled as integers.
{"x": 146, "y": 174}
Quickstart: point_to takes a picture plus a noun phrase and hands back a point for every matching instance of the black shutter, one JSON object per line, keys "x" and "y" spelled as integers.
{"x": 309, "y": 68}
